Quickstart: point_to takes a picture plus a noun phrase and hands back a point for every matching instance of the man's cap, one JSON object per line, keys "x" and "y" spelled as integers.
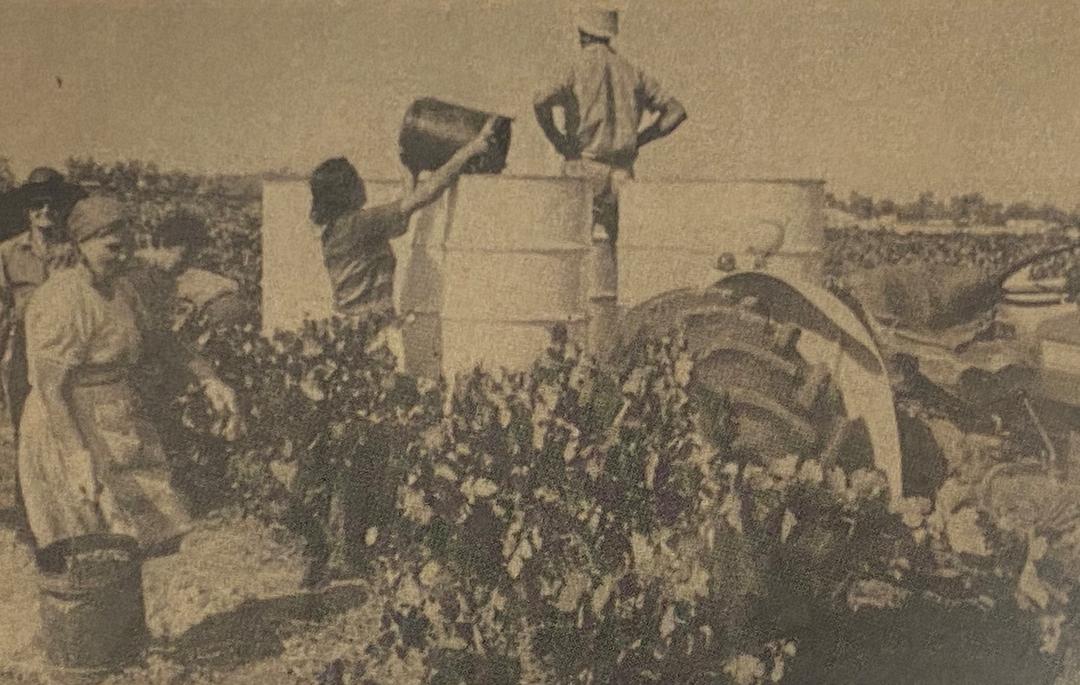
{"x": 598, "y": 21}
{"x": 93, "y": 217}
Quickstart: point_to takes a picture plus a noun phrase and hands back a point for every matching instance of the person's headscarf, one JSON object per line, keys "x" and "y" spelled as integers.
{"x": 95, "y": 216}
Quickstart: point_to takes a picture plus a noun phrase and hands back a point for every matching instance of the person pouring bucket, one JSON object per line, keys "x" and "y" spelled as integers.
{"x": 360, "y": 262}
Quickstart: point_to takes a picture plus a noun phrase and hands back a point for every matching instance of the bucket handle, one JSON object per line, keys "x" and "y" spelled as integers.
{"x": 762, "y": 255}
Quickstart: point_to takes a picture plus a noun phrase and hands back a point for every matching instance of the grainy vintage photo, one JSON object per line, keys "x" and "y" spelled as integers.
{"x": 517, "y": 341}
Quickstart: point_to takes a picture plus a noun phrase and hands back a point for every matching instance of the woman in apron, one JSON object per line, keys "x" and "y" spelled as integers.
{"x": 89, "y": 460}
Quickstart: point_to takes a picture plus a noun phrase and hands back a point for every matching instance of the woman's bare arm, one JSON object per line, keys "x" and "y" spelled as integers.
{"x": 51, "y": 382}
{"x": 430, "y": 188}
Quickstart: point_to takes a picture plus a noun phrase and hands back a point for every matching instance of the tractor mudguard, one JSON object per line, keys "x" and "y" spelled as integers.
{"x": 801, "y": 368}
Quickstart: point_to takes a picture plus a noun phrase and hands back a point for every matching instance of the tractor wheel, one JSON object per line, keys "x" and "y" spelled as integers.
{"x": 751, "y": 387}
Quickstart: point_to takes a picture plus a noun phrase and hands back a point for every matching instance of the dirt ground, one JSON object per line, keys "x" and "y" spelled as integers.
{"x": 226, "y": 609}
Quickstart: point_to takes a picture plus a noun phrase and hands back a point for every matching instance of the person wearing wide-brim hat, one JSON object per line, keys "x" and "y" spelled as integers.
{"x": 40, "y": 246}
{"x": 46, "y": 198}
{"x": 604, "y": 99}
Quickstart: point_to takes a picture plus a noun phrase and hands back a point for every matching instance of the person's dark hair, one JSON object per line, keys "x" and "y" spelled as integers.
{"x": 336, "y": 188}
{"x": 182, "y": 229}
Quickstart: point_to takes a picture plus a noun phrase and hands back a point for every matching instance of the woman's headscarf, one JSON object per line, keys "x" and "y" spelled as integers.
{"x": 95, "y": 216}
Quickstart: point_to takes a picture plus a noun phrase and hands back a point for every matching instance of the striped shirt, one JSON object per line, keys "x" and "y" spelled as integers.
{"x": 360, "y": 261}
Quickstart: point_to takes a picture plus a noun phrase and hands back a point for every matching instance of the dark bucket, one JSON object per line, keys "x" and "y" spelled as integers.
{"x": 434, "y": 130}
{"x": 92, "y": 611}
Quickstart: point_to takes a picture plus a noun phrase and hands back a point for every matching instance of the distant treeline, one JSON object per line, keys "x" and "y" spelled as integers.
{"x": 136, "y": 177}
{"x": 133, "y": 176}
{"x": 964, "y": 210}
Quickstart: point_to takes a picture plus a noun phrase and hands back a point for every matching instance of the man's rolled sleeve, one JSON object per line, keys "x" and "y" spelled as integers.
{"x": 654, "y": 97}
{"x": 558, "y": 90}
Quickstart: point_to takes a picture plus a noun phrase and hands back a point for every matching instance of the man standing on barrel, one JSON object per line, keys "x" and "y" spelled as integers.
{"x": 603, "y": 98}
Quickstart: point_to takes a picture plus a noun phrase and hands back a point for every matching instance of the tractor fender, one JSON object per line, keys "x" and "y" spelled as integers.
{"x": 834, "y": 334}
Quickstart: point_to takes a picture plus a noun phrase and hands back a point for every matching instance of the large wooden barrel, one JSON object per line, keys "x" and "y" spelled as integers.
{"x": 518, "y": 256}
{"x": 92, "y": 612}
{"x": 675, "y": 234}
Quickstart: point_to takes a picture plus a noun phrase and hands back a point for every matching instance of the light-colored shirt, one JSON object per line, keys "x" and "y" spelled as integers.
{"x": 604, "y": 97}
{"x": 192, "y": 296}
{"x": 24, "y": 265}
{"x": 360, "y": 261}
{"x": 197, "y": 293}
{"x": 70, "y": 324}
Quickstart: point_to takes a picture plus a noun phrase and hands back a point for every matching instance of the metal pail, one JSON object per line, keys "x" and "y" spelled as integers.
{"x": 434, "y": 130}
{"x": 92, "y": 611}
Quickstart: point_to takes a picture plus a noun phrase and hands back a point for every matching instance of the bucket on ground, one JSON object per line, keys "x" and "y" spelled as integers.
{"x": 92, "y": 610}
{"x": 434, "y": 130}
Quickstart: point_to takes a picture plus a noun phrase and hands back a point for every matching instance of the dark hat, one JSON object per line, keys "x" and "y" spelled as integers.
{"x": 601, "y": 22}
{"x": 42, "y": 182}
{"x": 45, "y": 182}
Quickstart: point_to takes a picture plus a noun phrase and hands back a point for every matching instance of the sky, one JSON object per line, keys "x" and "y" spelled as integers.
{"x": 888, "y": 98}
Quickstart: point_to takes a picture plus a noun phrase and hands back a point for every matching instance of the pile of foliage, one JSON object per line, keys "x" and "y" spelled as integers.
{"x": 849, "y": 248}
{"x": 571, "y": 524}
{"x": 231, "y": 206}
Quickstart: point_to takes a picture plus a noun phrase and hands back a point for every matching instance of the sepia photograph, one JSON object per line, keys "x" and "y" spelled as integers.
{"x": 498, "y": 342}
